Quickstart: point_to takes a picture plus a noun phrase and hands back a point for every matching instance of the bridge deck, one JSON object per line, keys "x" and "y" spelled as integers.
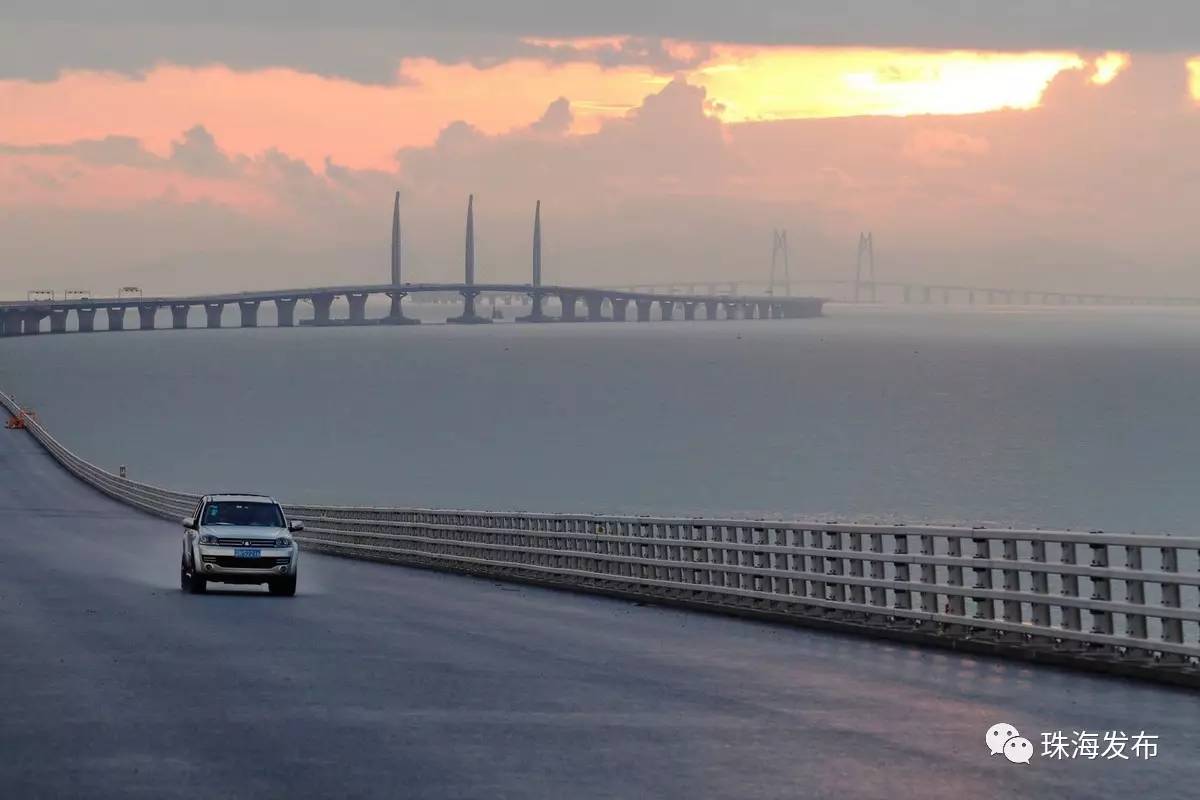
{"x": 383, "y": 681}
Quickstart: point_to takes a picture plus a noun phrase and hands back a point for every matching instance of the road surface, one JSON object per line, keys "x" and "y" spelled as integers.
{"x": 388, "y": 682}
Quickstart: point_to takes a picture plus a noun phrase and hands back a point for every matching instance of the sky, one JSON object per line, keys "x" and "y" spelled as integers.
{"x": 229, "y": 145}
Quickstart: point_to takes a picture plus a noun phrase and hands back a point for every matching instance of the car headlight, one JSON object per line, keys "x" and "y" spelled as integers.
{"x": 207, "y": 538}
{"x": 283, "y": 541}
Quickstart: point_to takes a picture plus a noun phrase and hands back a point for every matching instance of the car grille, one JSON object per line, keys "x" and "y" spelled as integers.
{"x": 247, "y": 563}
{"x": 222, "y": 542}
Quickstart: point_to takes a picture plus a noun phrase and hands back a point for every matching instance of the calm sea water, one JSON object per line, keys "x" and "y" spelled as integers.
{"x": 1075, "y": 418}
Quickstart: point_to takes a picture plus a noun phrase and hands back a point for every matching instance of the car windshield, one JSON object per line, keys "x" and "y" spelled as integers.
{"x": 228, "y": 512}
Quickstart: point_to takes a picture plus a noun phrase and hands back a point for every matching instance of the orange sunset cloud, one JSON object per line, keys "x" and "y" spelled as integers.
{"x": 312, "y": 117}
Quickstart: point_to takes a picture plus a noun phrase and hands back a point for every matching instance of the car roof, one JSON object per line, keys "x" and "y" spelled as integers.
{"x": 254, "y": 498}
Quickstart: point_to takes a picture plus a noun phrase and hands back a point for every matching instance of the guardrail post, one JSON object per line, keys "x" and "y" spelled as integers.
{"x": 1039, "y": 612}
{"x": 761, "y": 582}
{"x": 857, "y": 591}
{"x": 674, "y": 552}
{"x": 1011, "y": 609}
{"x": 834, "y": 565}
{"x": 1135, "y": 594}
{"x": 1172, "y": 629}
{"x": 1101, "y": 590}
{"x": 745, "y": 536}
{"x": 700, "y": 555}
{"x": 1070, "y": 589}
{"x": 816, "y": 564}
{"x": 928, "y": 576}
{"x": 778, "y": 561}
{"x": 956, "y": 604}
{"x": 900, "y": 547}
{"x": 878, "y": 594}
{"x": 984, "y": 607}
{"x": 731, "y": 556}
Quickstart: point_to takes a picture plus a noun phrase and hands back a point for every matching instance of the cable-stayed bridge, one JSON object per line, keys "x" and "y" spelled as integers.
{"x": 44, "y": 311}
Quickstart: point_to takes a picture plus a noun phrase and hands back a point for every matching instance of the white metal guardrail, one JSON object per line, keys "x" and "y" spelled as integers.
{"x": 1122, "y": 603}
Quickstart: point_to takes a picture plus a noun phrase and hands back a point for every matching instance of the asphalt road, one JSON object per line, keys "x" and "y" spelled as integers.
{"x": 382, "y": 681}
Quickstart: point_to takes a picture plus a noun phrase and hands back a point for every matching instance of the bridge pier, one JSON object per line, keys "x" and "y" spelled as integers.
{"x": 322, "y": 303}
{"x": 116, "y": 318}
{"x": 620, "y": 308}
{"x": 595, "y": 307}
{"x": 285, "y": 312}
{"x": 764, "y": 310}
{"x": 643, "y": 309}
{"x": 667, "y": 308}
{"x": 212, "y": 314}
{"x": 468, "y": 316}
{"x": 396, "y": 313}
{"x": 926, "y": 295}
{"x": 33, "y": 322}
{"x": 535, "y": 297}
{"x": 58, "y": 320}
{"x": 710, "y": 309}
{"x": 146, "y": 313}
{"x": 179, "y": 316}
{"x": 86, "y": 318}
{"x": 249, "y": 309}
{"x": 358, "y": 307}
{"x": 8, "y": 323}
{"x": 568, "y": 300}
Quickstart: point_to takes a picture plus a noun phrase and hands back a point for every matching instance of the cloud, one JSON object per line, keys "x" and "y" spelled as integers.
{"x": 195, "y": 153}
{"x": 364, "y": 40}
{"x": 942, "y": 147}
{"x": 1094, "y": 188}
{"x": 111, "y": 150}
{"x": 557, "y": 119}
{"x": 643, "y": 51}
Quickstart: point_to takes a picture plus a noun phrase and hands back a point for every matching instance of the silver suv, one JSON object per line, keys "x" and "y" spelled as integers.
{"x": 239, "y": 538}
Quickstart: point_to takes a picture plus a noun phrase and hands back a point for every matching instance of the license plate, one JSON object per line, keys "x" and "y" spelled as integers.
{"x": 247, "y": 552}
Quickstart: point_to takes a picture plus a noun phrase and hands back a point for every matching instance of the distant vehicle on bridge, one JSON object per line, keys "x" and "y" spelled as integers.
{"x": 239, "y": 538}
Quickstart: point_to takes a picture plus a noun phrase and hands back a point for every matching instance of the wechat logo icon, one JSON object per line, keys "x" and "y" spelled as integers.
{"x": 1003, "y": 738}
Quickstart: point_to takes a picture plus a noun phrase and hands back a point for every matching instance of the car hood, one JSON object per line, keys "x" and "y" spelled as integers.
{"x": 243, "y": 531}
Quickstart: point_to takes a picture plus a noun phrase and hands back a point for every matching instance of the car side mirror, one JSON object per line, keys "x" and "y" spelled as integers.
{"x": 189, "y": 523}
{"x": 295, "y": 526}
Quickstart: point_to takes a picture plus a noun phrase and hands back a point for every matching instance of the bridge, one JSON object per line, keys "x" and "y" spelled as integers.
{"x": 910, "y": 292}
{"x": 865, "y": 287}
{"x": 390, "y": 669}
{"x": 31, "y": 315}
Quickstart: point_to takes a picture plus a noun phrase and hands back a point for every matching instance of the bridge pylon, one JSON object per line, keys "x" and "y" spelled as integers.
{"x": 396, "y": 313}
{"x": 865, "y": 258}
{"x": 536, "y": 314}
{"x": 779, "y": 255}
{"x": 469, "y": 317}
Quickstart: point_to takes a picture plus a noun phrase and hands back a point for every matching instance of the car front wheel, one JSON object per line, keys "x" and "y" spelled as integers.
{"x": 189, "y": 581}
